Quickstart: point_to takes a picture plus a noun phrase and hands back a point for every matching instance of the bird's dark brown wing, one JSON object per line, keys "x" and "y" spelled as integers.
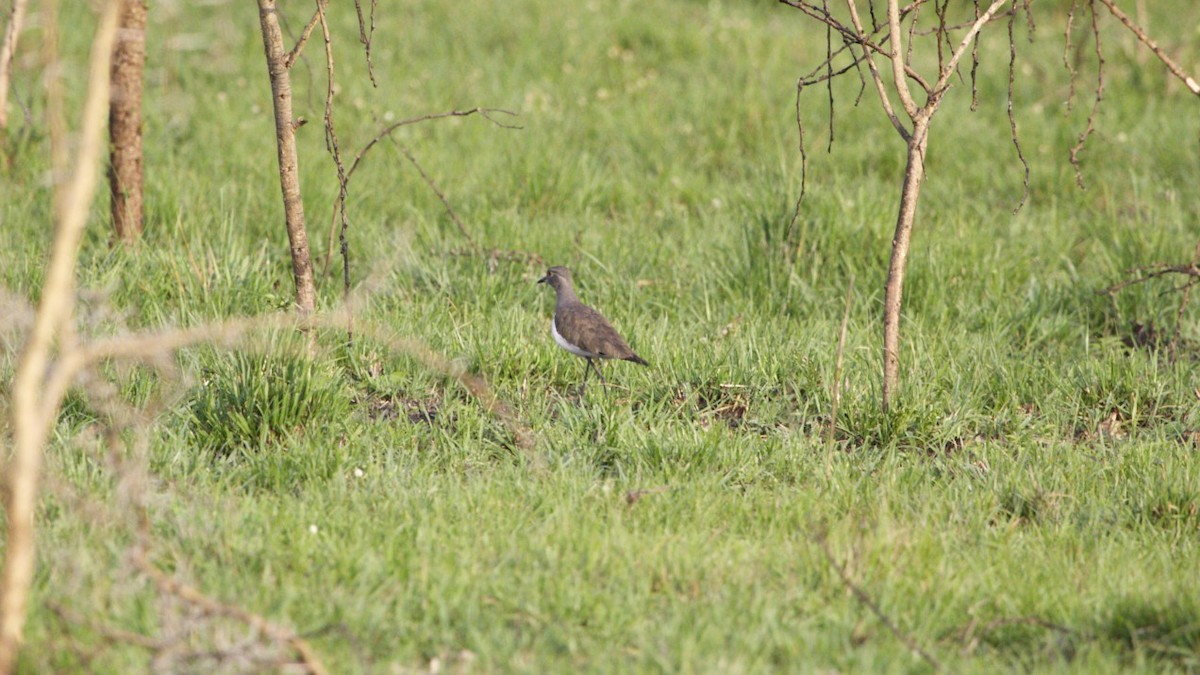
{"x": 585, "y": 328}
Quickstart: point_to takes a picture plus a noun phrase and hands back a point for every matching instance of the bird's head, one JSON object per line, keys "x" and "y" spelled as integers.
{"x": 557, "y": 277}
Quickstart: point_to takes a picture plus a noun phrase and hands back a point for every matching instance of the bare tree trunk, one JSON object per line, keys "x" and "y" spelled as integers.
{"x": 285, "y": 140}
{"x": 7, "y": 51}
{"x": 125, "y": 170}
{"x": 914, "y": 173}
{"x": 32, "y": 414}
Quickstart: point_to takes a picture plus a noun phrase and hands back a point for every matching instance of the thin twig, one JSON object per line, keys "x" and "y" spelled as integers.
{"x": 1145, "y": 39}
{"x": 331, "y": 145}
{"x": 365, "y": 35}
{"x": 1071, "y": 72}
{"x": 865, "y": 600}
{"x": 975, "y": 64}
{"x": 462, "y": 229}
{"x": 304, "y": 35}
{"x": 803, "y": 173}
{"x": 1183, "y": 303}
{"x": 1012, "y": 119}
{"x": 486, "y": 113}
{"x": 1091, "y": 119}
{"x": 1191, "y": 269}
{"x": 944, "y": 79}
{"x": 884, "y": 99}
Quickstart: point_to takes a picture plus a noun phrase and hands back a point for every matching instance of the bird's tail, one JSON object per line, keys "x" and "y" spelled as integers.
{"x": 637, "y": 359}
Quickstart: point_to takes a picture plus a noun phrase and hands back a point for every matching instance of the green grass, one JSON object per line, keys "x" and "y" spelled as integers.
{"x": 1031, "y": 503}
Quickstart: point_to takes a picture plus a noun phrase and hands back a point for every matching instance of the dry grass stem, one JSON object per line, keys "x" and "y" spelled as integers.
{"x": 29, "y": 427}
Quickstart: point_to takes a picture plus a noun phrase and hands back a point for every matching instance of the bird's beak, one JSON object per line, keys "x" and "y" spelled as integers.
{"x": 544, "y": 280}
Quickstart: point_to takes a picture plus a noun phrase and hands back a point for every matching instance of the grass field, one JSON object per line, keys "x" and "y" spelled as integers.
{"x": 1032, "y": 502}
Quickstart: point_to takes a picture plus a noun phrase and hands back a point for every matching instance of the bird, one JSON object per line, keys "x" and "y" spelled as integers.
{"x": 582, "y": 330}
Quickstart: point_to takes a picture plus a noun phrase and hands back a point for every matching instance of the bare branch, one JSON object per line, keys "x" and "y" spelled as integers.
{"x": 1071, "y": 72}
{"x": 365, "y": 35}
{"x": 803, "y": 171}
{"x": 975, "y": 64}
{"x": 29, "y": 428}
{"x": 1012, "y": 119}
{"x": 331, "y": 145}
{"x": 875, "y": 76}
{"x": 860, "y": 37}
{"x": 291, "y": 57}
{"x": 943, "y": 82}
{"x": 1091, "y": 120}
{"x": 898, "y": 62}
{"x": 1191, "y": 269}
{"x": 486, "y": 113}
{"x": 1145, "y": 39}
{"x": 829, "y": 73}
{"x": 462, "y": 229}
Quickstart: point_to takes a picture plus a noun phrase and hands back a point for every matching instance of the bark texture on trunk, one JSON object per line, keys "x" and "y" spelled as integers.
{"x": 285, "y": 142}
{"x": 126, "y": 168}
{"x": 914, "y": 173}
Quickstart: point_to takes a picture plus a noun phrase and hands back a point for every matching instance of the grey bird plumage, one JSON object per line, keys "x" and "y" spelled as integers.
{"x": 582, "y": 330}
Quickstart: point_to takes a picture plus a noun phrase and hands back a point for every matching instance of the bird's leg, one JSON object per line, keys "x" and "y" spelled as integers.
{"x": 599, "y": 374}
{"x": 586, "y": 371}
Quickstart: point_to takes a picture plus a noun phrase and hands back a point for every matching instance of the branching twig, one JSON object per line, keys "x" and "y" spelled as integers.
{"x": 486, "y": 113}
{"x": 884, "y": 99}
{"x": 331, "y": 145}
{"x": 867, "y": 601}
{"x": 1191, "y": 269}
{"x": 462, "y": 229}
{"x": 291, "y": 57}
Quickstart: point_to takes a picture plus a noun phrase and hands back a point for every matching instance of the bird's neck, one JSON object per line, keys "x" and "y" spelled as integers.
{"x": 566, "y": 295}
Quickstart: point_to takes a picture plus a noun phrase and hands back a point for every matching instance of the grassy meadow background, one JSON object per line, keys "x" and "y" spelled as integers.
{"x": 1031, "y": 503}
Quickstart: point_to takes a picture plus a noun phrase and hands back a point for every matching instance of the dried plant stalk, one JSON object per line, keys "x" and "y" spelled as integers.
{"x": 30, "y": 424}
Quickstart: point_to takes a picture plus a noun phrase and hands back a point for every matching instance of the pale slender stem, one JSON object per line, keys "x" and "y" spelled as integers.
{"x": 898, "y": 71}
{"x": 875, "y": 76}
{"x": 31, "y": 426}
